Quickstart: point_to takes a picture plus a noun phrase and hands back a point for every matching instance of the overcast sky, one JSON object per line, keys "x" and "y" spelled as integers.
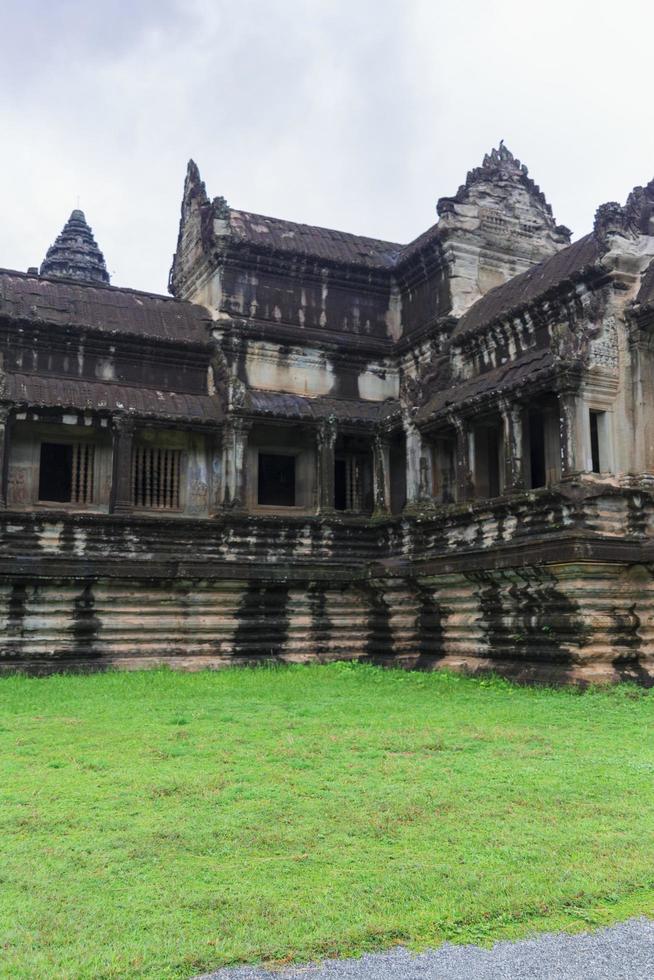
{"x": 354, "y": 114}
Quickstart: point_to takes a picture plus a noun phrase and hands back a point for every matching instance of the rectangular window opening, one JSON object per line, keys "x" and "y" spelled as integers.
{"x": 488, "y": 481}
{"x": 537, "y": 450}
{"x": 156, "y": 478}
{"x": 66, "y": 472}
{"x": 494, "y": 485}
{"x": 276, "y": 480}
{"x": 340, "y": 485}
{"x": 444, "y": 471}
{"x": 596, "y": 440}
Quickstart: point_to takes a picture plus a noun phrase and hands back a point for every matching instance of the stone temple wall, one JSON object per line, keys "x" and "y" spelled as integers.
{"x": 455, "y": 589}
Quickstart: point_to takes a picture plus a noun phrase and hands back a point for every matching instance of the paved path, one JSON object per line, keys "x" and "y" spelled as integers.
{"x": 624, "y": 952}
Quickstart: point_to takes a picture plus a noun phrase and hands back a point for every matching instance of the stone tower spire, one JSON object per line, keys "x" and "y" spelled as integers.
{"x": 74, "y": 254}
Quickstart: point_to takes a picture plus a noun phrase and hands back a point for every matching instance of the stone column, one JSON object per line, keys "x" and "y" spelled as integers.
{"x": 414, "y": 476}
{"x": 381, "y": 475}
{"x": 325, "y": 442}
{"x": 235, "y": 438}
{"x": 215, "y": 451}
{"x": 641, "y": 443}
{"x": 464, "y": 459}
{"x": 5, "y": 442}
{"x": 514, "y": 477}
{"x": 570, "y": 434}
{"x": 122, "y": 496}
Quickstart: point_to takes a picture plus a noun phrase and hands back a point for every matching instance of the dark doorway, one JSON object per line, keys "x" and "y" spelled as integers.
{"x": 595, "y": 441}
{"x": 488, "y": 441}
{"x": 56, "y": 472}
{"x": 276, "y": 482}
{"x": 493, "y": 463}
{"x": 445, "y": 469}
{"x": 340, "y": 485}
{"x": 537, "y": 449}
{"x": 398, "y": 475}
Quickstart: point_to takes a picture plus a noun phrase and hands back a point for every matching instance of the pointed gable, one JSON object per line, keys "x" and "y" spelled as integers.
{"x": 497, "y": 225}
{"x": 502, "y": 204}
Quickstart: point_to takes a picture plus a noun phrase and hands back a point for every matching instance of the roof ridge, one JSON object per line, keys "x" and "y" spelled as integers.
{"x": 323, "y": 228}
{"x": 98, "y": 285}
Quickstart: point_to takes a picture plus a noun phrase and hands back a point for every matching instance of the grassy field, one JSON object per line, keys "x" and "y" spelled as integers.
{"x": 159, "y": 824}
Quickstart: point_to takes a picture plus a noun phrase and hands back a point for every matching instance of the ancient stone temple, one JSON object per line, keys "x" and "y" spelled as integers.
{"x": 326, "y": 446}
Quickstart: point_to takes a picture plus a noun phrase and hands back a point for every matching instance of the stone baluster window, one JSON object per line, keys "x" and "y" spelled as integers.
{"x": 349, "y": 482}
{"x": 156, "y": 478}
{"x": 82, "y": 476}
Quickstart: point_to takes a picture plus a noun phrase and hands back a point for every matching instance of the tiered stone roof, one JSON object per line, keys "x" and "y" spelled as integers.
{"x": 107, "y": 310}
{"x": 75, "y": 254}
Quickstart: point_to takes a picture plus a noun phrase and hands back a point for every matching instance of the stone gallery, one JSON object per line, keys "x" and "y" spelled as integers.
{"x": 324, "y": 446}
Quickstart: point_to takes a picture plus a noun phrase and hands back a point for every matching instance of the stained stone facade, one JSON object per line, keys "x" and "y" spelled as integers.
{"x": 328, "y": 446}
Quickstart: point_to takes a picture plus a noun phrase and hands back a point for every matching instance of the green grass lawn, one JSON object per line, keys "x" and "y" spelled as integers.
{"x": 158, "y": 824}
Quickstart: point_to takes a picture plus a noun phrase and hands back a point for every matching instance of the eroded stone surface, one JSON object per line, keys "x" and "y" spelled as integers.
{"x": 330, "y": 446}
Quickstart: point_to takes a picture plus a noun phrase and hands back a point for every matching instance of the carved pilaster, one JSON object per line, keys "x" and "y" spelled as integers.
{"x": 381, "y": 471}
{"x": 569, "y": 434}
{"x": 419, "y": 466}
{"x": 235, "y": 439}
{"x": 514, "y": 475}
{"x": 5, "y": 442}
{"x": 215, "y": 451}
{"x": 413, "y": 457}
{"x": 122, "y": 496}
{"x": 463, "y": 459}
{"x": 325, "y": 442}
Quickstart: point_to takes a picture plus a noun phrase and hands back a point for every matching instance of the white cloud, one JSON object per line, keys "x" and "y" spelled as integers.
{"x": 355, "y": 115}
